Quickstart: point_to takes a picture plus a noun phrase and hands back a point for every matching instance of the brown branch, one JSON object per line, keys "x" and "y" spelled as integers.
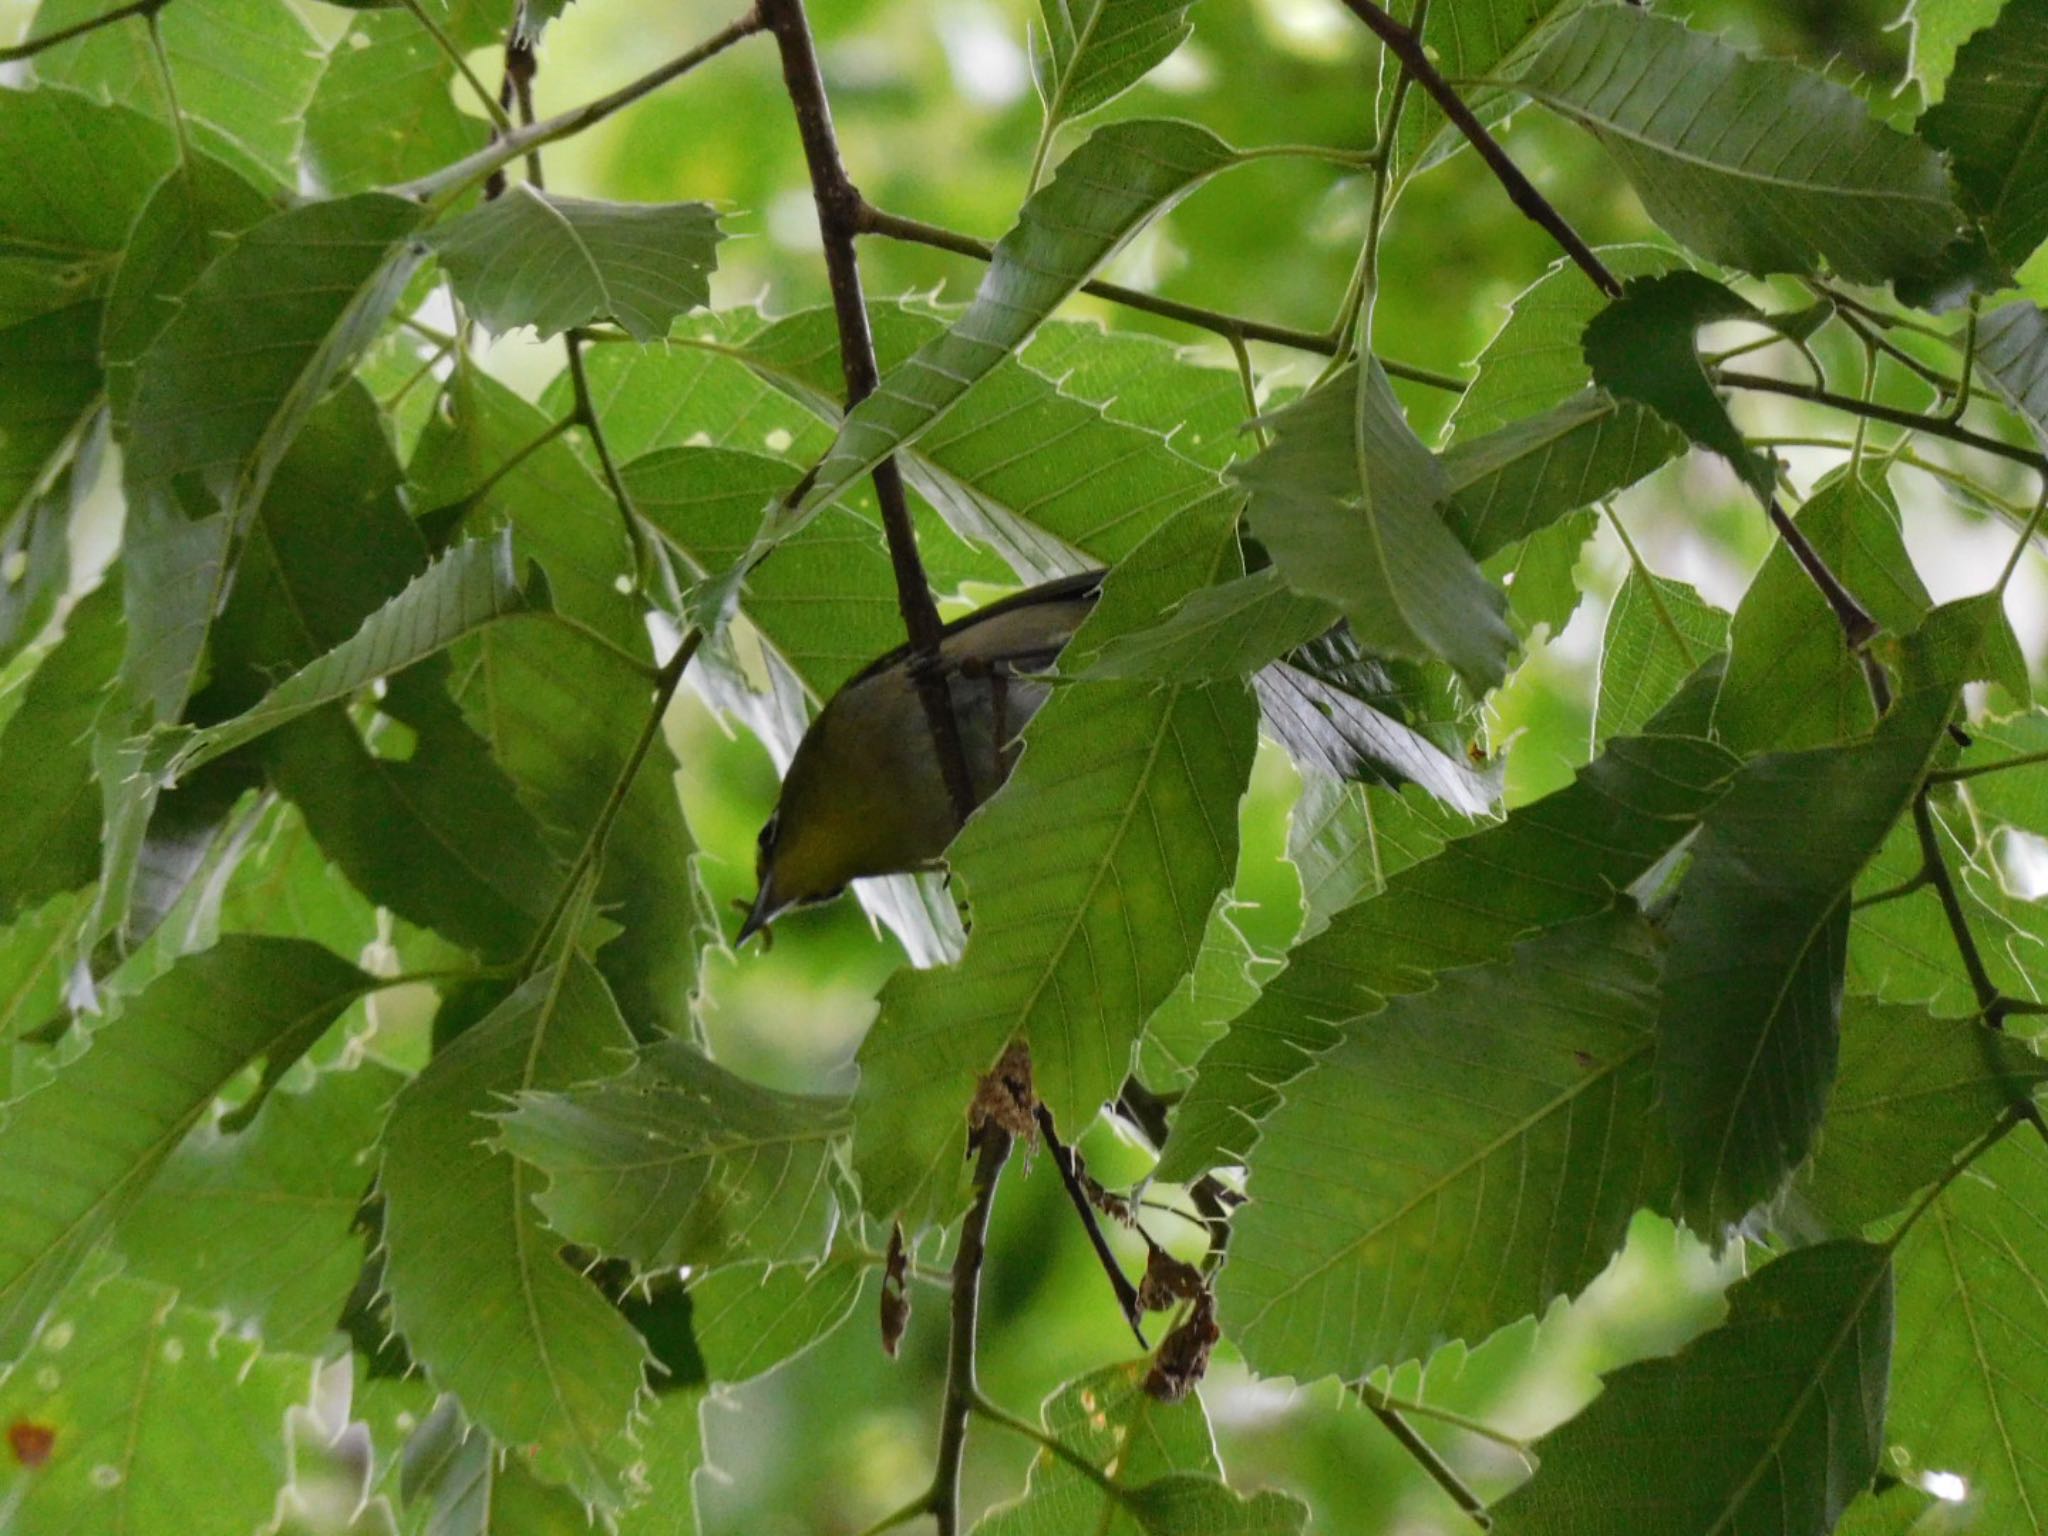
{"x": 1424, "y": 1454}
{"x": 1069, "y": 1165}
{"x": 993, "y": 1150}
{"x": 839, "y": 203}
{"x": 1414, "y": 59}
{"x": 1235, "y": 328}
{"x": 49, "y": 40}
{"x": 1990, "y": 1002}
{"x": 1933, "y": 426}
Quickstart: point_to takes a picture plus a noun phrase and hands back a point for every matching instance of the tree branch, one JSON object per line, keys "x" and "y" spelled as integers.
{"x": 1933, "y": 426}
{"x": 839, "y": 203}
{"x": 1935, "y": 867}
{"x": 1414, "y": 59}
{"x": 49, "y": 40}
{"x": 1425, "y": 1456}
{"x": 993, "y": 1143}
{"x": 1239, "y": 328}
{"x": 1063, "y": 1158}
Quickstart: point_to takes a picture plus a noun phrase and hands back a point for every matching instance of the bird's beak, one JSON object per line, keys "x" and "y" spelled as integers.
{"x": 760, "y": 915}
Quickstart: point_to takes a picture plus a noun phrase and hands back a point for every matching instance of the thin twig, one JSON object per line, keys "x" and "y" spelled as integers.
{"x": 453, "y": 54}
{"x": 993, "y": 1150}
{"x": 1858, "y": 627}
{"x": 1063, "y": 1158}
{"x": 1933, "y": 426}
{"x": 1367, "y": 1393}
{"x": 839, "y": 203}
{"x": 1407, "y": 47}
{"x": 2003, "y": 765}
{"x": 894, "y": 226}
{"x": 48, "y": 40}
{"x": 452, "y": 179}
{"x": 1944, "y": 884}
{"x": 1050, "y": 1443}
{"x": 1426, "y": 1457}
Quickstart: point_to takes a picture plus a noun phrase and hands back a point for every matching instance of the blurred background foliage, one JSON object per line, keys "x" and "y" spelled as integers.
{"x": 937, "y": 117}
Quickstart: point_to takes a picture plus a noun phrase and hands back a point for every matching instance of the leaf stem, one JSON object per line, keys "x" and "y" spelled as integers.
{"x": 1915, "y": 421}
{"x": 1407, "y": 47}
{"x": 452, "y": 179}
{"x": 2003, "y": 765}
{"x": 992, "y": 1145}
{"x": 162, "y": 56}
{"x": 1426, "y": 1457}
{"x": 453, "y": 54}
{"x": 893, "y": 226}
{"x": 1642, "y": 569}
{"x": 48, "y": 40}
{"x": 1369, "y": 1394}
{"x": 1051, "y": 1443}
{"x": 1938, "y": 875}
{"x": 839, "y": 203}
{"x": 1069, "y": 1165}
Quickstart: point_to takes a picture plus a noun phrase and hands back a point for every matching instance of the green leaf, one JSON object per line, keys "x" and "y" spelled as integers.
{"x": 1747, "y": 1039}
{"x": 553, "y": 262}
{"x": 1971, "y": 1321}
{"x": 1147, "y": 381}
{"x": 1474, "y": 40}
{"x": 1513, "y": 482}
{"x": 35, "y": 959}
{"x": 751, "y": 1318}
{"x": 2012, "y": 346}
{"x": 1349, "y": 503}
{"x": 1658, "y": 634}
{"x": 382, "y": 112}
{"x": 468, "y": 1486}
{"x": 69, "y": 1169}
{"x": 1792, "y": 680}
{"x": 243, "y": 74}
{"x": 1091, "y": 51}
{"x": 1185, "y": 1505}
{"x": 1913, "y": 1094}
{"x": 1641, "y": 347}
{"x": 1549, "y": 863}
{"x": 1753, "y": 163}
{"x": 75, "y": 176}
{"x": 260, "y": 1225}
{"x": 1993, "y": 122}
{"x": 35, "y": 551}
{"x": 158, "y": 1419}
{"x": 474, "y": 585}
{"x": 1454, "y": 1162}
{"x": 1110, "y": 1421}
{"x": 477, "y": 1286}
{"x": 1230, "y": 630}
{"x": 1940, "y": 28}
{"x": 680, "y": 1161}
{"x": 1225, "y": 980}
{"x": 1076, "y": 938}
{"x": 51, "y": 365}
{"x": 1772, "y": 1423}
{"x": 51, "y": 840}
{"x": 1122, "y": 176}
{"x": 1347, "y": 840}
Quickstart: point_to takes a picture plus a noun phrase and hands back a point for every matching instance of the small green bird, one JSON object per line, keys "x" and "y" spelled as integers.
{"x": 865, "y": 794}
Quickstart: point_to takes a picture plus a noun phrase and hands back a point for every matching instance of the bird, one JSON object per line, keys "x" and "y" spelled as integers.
{"x": 865, "y": 794}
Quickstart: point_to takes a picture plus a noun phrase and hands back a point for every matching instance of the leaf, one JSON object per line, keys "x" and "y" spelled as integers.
{"x": 1076, "y": 939}
{"x": 2012, "y": 347}
{"x": 1971, "y": 1321}
{"x": 1939, "y": 28}
{"x": 1753, "y": 163}
{"x": 1225, "y": 980}
{"x": 1993, "y": 122}
{"x": 35, "y": 549}
{"x": 1349, "y": 504}
{"x": 1514, "y": 482}
{"x": 1641, "y": 347}
{"x": 1123, "y": 175}
{"x": 260, "y": 1225}
{"x": 1658, "y": 634}
{"x": 1092, "y": 51}
{"x": 1769, "y": 1424}
{"x": 382, "y": 112}
{"x": 1153, "y": 1451}
{"x": 1456, "y": 1161}
{"x": 479, "y": 1289}
{"x": 243, "y": 74}
{"x": 469, "y": 1487}
{"x": 157, "y": 1418}
{"x": 1347, "y": 840}
{"x": 1752, "y": 988}
{"x": 51, "y": 841}
{"x": 1230, "y": 630}
{"x": 680, "y": 1161}
{"x": 1792, "y": 680}
{"x": 750, "y": 1318}
{"x": 553, "y": 262}
{"x": 1913, "y": 1094}
{"x": 69, "y": 1169}
{"x": 77, "y": 173}
{"x": 51, "y": 365}
{"x": 1549, "y": 863}
{"x": 473, "y": 585}
{"x": 1473, "y": 41}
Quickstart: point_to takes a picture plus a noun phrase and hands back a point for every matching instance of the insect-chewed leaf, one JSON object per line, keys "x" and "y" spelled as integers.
{"x": 1351, "y": 507}
{"x": 1454, "y": 1162}
{"x": 1549, "y": 863}
{"x": 553, "y": 262}
{"x": 1772, "y": 1423}
{"x": 477, "y": 1286}
{"x": 681, "y": 1162}
{"x": 1990, "y": 124}
{"x": 69, "y": 1169}
{"x": 136, "y": 1410}
{"x": 1750, "y": 162}
{"x": 1747, "y": 1038}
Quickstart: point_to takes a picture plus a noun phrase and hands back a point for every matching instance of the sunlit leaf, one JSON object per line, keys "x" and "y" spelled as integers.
{"x": 1091, "y": 51}
{"x": 1658, "y": 634}
{"x": 750, "y": 1318}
